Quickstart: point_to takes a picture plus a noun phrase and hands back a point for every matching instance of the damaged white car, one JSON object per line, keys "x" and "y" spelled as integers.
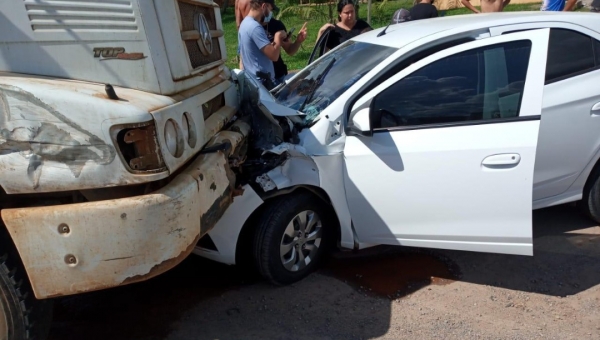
{"x": 441, "y": 133}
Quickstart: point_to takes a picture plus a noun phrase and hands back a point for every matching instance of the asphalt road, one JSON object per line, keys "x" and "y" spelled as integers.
{"x": 379, "y": 293}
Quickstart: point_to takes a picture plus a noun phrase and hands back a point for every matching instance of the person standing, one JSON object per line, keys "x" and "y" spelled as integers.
{"x": 348, "y": 25}
{"x": 400, "y": 15}
{"x": 558, "y": 5}
{"x": 552, "y": 5}
{"x": 242, "y": 8}
{"x": 256, "y": 51}
{"x": 272, "y": 26}
{"x": 423, "y": 10}
{"x": 487, "y": 6}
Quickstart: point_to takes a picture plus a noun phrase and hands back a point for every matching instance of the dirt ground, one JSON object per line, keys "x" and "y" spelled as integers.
{"x": 379, "y": 293}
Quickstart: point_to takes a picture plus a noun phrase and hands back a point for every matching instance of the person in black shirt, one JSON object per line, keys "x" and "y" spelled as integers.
{"x": 273, "y": 26}
{"x": 348, "y": 25}
{"x": 423, "y": 10}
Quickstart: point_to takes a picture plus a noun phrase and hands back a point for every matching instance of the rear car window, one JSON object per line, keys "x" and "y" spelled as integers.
{"x": 570, "y": 53}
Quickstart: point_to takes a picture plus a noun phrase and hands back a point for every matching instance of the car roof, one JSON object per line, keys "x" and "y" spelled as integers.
{"x": 399, "y": 35}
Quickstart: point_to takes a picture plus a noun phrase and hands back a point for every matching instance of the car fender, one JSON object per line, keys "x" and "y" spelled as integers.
{"x": 321, "y": 174}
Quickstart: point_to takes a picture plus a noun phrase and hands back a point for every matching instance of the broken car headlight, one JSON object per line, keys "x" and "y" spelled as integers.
{"x": 138, "y": 147}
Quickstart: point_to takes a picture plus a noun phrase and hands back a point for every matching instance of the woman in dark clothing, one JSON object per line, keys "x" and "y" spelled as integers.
{"x": 423, "y": 10}
{"x": 348, "y": 25}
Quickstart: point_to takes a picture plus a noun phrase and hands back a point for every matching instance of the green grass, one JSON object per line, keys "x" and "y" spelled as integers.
{"x": 380, "y": 17}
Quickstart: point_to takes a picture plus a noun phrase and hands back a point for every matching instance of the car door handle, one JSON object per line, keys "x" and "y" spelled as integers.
{"x": 596, "y": 109}
{"x": 502, "y": 161}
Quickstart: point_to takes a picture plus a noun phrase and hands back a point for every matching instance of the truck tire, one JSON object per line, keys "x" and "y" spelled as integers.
{"x": 590, "y": 202}
{"x": 292, "y": 236}
{"x": 22, "y": 316}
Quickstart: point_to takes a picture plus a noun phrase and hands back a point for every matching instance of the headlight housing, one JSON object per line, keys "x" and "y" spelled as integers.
{"x": 138, "y": 147}
{"x": 173, "y": 138}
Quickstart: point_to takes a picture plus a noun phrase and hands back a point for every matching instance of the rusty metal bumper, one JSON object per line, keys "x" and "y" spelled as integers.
{"x": 75, "y": 248}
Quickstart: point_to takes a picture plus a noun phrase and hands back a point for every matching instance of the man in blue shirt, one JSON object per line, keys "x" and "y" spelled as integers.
{"x": 257, "y": 52}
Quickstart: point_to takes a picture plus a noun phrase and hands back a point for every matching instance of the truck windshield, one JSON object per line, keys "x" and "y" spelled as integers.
{"x": 323, "y": 81}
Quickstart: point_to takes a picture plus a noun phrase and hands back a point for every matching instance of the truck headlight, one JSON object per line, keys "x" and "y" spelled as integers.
{"x": 173, "y": 138}
{"x": 138, "y": 147}
{"x": 190, "y": 127}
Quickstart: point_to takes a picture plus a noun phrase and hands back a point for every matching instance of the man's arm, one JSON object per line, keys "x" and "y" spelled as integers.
{"x": 271, "y": 50}
{"x": 569, "y": 6}
{"x": 292, "y": 48}
{"x": 323, "y": 29}
{"x": 468, "y": 5}
{"x": 505, "y": 3}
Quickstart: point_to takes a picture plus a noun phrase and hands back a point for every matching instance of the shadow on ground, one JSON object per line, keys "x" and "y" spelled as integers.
{"x": 566, "y": 257}
{"x": 200, "y": 298}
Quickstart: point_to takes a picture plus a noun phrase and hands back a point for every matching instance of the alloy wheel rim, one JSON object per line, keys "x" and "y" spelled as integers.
{"x": 301, "y": 240}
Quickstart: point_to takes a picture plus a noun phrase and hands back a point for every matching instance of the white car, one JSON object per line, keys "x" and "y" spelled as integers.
{"x": 439, "y": 133}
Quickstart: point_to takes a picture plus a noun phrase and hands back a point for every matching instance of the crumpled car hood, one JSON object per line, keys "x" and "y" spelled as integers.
{"x": 265, "y": 99}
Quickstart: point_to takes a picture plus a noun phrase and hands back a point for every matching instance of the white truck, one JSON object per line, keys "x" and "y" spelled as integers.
{"x": 118, "y": 145}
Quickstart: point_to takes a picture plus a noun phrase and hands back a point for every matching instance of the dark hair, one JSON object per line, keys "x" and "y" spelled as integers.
{"x": 342, "y": 3}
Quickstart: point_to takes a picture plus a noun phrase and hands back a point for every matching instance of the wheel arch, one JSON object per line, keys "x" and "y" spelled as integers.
{"x": 591, "y": 175}
{"x": 244, "y": 242}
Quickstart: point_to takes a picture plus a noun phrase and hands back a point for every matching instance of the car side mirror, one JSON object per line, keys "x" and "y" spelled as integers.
{"x": 360, "y": 123}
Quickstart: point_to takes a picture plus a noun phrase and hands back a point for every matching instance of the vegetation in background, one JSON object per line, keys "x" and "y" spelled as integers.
{"x": 318, "y": 12}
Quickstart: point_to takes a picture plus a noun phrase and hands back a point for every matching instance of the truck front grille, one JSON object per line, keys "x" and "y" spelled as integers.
{"x": 187, "y": 12}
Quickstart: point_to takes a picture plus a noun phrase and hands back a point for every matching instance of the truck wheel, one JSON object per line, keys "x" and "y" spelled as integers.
{"x": 22, "y": 316}
{"x": 292, "y": 236}
{"x": 590, "y": 202}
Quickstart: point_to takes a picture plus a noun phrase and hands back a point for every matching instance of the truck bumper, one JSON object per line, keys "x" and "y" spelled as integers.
{"x": 75, "y": 248}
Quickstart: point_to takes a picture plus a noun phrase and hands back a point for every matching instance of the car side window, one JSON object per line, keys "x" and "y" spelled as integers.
{"x": 480, "y": 84}
{"x": 570, "y": 53}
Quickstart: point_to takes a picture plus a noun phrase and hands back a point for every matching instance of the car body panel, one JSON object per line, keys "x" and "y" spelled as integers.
{"x": 482, "y": 214}
{"x": 568, "y": 128}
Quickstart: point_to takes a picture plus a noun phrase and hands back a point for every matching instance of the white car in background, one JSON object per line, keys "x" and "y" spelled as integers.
{"x": 439, "y": 133}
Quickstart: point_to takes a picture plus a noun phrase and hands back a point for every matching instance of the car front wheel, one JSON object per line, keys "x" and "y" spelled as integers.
{"x": 293, "y": 235}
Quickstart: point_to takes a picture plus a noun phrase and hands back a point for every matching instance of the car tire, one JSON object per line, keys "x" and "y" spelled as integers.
{"x": 590, "y": 202}
{"x": 293, "y": 234}
{"x": 22, "y": 316}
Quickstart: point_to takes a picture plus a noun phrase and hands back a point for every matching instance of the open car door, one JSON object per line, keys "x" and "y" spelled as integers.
{"x": 319, "y": 48}
{"x": 448, "y": 155}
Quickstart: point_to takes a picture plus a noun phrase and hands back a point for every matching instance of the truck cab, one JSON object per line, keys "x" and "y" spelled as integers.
{"x": 118, "y": 145}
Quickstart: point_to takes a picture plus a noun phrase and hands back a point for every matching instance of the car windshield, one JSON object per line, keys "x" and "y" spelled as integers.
{"x": 323, "y": 81}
